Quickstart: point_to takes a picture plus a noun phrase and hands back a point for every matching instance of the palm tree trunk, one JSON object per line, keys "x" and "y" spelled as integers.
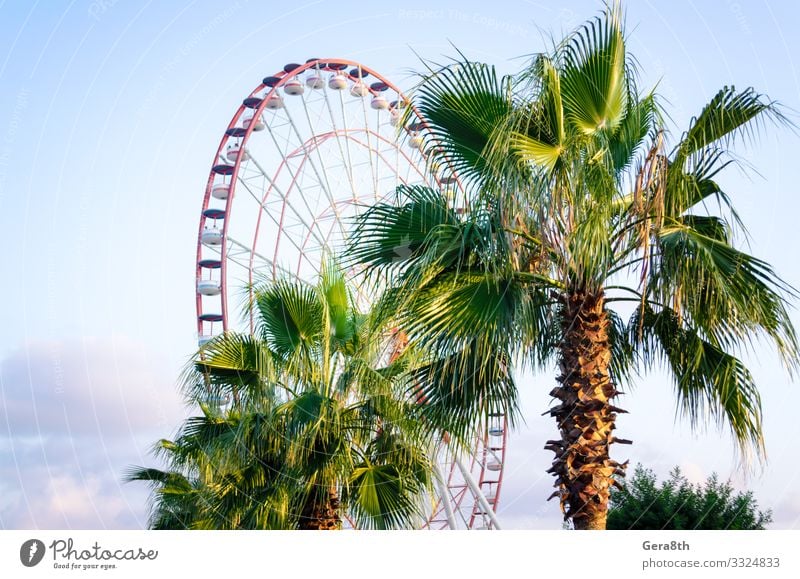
{"x": 585, "y": 417}
{"x": 321, "y": 512}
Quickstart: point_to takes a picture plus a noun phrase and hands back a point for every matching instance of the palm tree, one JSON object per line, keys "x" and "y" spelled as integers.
{"x": 317, "y": 427}
{"x": 577, "y": 216}
{"x": 217, "y": 480}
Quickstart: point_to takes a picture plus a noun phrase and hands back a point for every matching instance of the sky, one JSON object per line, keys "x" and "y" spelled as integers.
{"x": 110, "y": 114}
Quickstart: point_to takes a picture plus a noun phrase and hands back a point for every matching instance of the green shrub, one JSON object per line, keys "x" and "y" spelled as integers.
{"x": 676, "y": 504}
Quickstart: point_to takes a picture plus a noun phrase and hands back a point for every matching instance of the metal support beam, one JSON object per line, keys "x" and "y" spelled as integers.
{"x": 476, "y": 491}
{"x": 444, "y": 494}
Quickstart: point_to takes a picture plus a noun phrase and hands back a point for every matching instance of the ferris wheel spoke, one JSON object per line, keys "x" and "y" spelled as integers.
{"x": 347, "y": 146}
{"x": 445, "y": 497}
{"x": 244, "y": 249}
{"x": 233, "y": 254}
{"x": 284, "y": 196}
{"x": 405, "y": 180}
{"x": 323, "y": 181}
{"x": 273, "y": 184}
{"x": 329, "y": 108}
{"x": 370, "y": 149}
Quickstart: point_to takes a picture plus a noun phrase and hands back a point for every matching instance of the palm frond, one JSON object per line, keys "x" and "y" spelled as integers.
{"x": 173, "y": 481}
{"x": 290, "y": 317}
{"x": 390, "y": 236}
{"x": 593, "y": 79}
{"x": 640, "y": 120}
{"x": 623, "y": 363}
{"x": 380, "y": 497}
{"x": 730, "y": 296}
{"x": 540, "y": 133}
{"x": 232, "y": 363}
{"x": 728, "y": 115}
{"x": 337, "y": 298}
{"x": 709, "y": 381}
{"x": 462, "y": 306}
{"x": 458, "y": 392}
{"x": 462, "y": 105}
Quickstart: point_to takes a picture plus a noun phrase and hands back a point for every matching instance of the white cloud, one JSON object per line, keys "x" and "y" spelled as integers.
{"x": 92, "y": 386}
{"x": 62, "y": 497}
{"x": 75, "y": 416}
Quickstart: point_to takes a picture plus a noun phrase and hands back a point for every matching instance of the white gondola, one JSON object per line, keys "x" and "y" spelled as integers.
{"x": 293, "y": 87}
{"x": 274, "y": 102}
{"x": 338, "y": 81}
{"x": 379, "y": 103}
{"x": 211, "y": 236}
{"x": 232, "y": 152}
{"x": 394, "y": 119}
{"x": 415, "y": 142}
{"x": 203, "y": 340}
{"x": 359, "y": 89}
{"x": 209, "y": 287}
{"x": 494, "y": 466}
{"x": 315, "y": 81}
{"x": 247, "y": 119}
{"x": 221, "y": 191}
{"x": 496, "y": 431}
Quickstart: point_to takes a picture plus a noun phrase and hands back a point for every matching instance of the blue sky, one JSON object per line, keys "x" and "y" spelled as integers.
{"x": 110, "y": 113}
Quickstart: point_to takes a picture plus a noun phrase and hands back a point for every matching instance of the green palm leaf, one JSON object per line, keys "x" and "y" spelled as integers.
{"x": 729, "y": 114}
{"x": 388, "y": 236}
{"x": 706, "y": 377}
{"x": 461, "y": 307}
{"x": 538, "y": 132}
{"x": 232, "y": 363}
{"x": 379, "y": 498}
{"x": 462, "y": 105}
{"x": 457, "y": 392}
{"x": 729, "y": 295}
{"x": 337, "y": 299}
{"x": 594, "y": 81}
{"x": 640, "y": 120}
{"x": 290, "y": 319}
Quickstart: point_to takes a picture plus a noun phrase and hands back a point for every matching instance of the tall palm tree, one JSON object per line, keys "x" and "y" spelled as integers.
{"x": 318, "y": 427}
{"x": 577, "y": 216}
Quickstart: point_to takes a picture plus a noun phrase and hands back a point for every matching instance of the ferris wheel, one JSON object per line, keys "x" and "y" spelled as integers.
{"x": 304, "y": 153}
